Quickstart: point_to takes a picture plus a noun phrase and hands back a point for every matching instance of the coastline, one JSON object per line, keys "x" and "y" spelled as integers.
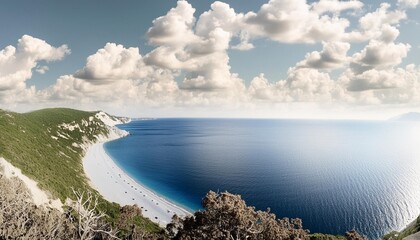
{"x": 117, "y": 186}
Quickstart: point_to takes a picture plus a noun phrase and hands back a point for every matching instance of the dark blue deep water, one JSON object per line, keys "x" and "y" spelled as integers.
{"x": 335, "y": 175}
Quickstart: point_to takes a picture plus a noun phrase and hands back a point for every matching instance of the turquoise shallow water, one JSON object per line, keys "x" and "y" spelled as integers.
{"x": 335, "y": 175}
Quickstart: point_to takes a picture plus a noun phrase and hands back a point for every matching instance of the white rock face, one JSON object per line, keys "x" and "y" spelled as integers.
{"x": 70, "y": 127}
{"x": 108, "y": 120}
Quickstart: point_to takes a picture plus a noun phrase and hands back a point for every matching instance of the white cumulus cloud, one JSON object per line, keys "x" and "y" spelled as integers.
{"x": 113, "y": 62}
{"x": 336, "y": 6}
{"x": 203, "y": 50}
{"x": 379, "y": 55}
{"x": 333, "y": 55}
{"x": 408, "y": 3}
{"x": 17, "y": 63}
{"x": 293, "y": 21}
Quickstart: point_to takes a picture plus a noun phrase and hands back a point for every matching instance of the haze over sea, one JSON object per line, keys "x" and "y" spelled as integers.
{"x": 335, "y": 175}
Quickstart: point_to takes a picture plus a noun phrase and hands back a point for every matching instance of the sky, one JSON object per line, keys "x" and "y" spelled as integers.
{"x": 201, "y": 58}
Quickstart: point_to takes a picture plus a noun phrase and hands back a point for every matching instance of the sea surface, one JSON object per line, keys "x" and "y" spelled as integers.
{"x": 334, "y": 175}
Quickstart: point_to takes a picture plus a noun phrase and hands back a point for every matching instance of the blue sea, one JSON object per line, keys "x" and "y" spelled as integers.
{"x": 334, "y": 175}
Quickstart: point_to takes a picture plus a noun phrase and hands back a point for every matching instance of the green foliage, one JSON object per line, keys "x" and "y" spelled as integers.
{"x": 148, "y": 226}
{"x": 320, "y": 236}
{"x": 392, "y": 235}
{"x": 412, "y": 228}
{"x": 131, "y": 225}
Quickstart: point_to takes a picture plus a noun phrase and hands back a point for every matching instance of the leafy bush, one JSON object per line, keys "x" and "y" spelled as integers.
{"x": 226, "y": 216}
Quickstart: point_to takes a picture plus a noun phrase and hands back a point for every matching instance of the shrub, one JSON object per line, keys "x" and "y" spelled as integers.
{"x": 226, "y": 216}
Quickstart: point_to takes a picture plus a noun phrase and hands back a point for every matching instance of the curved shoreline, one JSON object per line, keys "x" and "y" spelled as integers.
{"x": 117, "y": 186}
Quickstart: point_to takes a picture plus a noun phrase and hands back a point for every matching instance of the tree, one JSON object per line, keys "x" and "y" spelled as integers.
{"x": 226, "y": 216}
{"x": 354, "y": 235}
{"x": 90, "y": 222}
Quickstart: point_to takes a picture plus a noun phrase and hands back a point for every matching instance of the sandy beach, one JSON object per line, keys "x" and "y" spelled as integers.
{"x": 116, "y": 186}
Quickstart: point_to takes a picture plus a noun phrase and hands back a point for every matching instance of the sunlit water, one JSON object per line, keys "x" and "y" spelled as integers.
{"x": 335, "y": 175}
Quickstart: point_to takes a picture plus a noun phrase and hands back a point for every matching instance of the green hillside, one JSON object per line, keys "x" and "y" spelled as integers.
{"x": 32, "y": 142}
{"x": 47, "y": 145}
